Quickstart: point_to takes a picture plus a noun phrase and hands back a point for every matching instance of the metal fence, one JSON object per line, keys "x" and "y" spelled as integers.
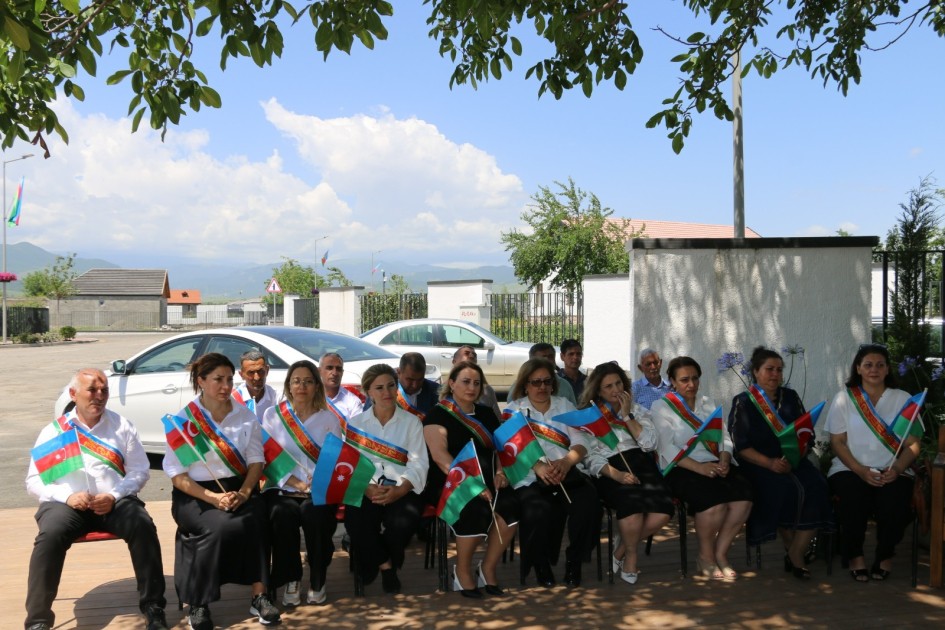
{"x": 919, "y": 284}
{"x": 27, "y": 319}
{"x": 378, "y": 308}
{"x": 535, "y": 317}
{"x": 306, "y": 312}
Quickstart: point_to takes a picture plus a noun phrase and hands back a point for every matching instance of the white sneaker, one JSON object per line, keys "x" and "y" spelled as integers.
{"x": 317, "y": 597}
{"x": 291, "y": 597}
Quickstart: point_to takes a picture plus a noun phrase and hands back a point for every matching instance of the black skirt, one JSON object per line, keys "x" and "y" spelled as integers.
{"x": 650, "y": 496}
{"x": 701, "y": 493}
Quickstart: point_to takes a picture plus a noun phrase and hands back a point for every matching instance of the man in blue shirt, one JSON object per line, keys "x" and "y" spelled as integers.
{"x": 651, "y": 387}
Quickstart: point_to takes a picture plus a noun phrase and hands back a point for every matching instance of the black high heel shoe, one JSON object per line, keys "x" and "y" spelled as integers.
{"x": 801, "y": 573}
{"x": 472, "y": 593}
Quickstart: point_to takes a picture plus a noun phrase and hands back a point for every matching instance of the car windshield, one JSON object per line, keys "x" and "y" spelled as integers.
{"x": 315, "y": 343}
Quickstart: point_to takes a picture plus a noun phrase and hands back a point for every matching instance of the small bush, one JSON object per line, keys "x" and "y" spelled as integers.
{"x": 67, "y": 332}
{"x": 28, "y": 337}
{"x": 49, "y": 337}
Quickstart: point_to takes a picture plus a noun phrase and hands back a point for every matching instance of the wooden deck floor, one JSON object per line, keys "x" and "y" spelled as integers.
{"x": 98, "y": 591}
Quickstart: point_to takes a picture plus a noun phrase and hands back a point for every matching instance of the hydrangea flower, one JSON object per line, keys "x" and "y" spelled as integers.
{"x": 908, "y": 363}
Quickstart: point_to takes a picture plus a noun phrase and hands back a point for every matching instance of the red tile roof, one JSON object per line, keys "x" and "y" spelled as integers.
{"x": 679, "y": 229}
{"x": 184, "y": 296}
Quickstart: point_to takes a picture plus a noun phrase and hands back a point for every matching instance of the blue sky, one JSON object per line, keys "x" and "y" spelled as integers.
{"x": 375, "y": 152}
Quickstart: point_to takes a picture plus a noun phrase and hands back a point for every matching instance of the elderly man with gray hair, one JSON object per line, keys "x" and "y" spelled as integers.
{"x": 652, "y": 386}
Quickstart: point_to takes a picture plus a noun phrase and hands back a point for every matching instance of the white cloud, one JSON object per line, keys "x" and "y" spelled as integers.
{"x": 376, "y": 183}
{"x": 819, "y": 230}
{"x": 408, "y": 185}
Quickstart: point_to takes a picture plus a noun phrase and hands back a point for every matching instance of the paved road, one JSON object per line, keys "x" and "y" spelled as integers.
{"x": 31, "y": 379}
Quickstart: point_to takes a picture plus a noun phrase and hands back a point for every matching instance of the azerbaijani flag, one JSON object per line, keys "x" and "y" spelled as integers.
{"x": 710, "y": 431}
{"x": 324, "y": 258}
{"x": 279, "y": 463}
{"x": 188, "y": 445}
{"x": 592, "y": 421}
{"x": 905, "y": 425}
{"x": 341, "y": 474}
{"x": 58, "y": 456}
{"x": 797, "y": 436}
{"x": 464, "y": 483}
{"x": 13, "y": 217}
{"x": 516, "y": 446}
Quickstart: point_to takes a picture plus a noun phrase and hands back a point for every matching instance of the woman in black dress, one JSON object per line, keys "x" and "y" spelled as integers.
{"x": 448, "y": 427}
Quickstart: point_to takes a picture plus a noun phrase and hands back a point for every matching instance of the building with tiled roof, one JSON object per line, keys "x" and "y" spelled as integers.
{"x": 677, "y": 229}
{"x": 116, "y": 299}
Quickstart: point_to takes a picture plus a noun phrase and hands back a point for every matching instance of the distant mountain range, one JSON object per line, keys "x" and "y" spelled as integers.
{"x": 217, "y": 281}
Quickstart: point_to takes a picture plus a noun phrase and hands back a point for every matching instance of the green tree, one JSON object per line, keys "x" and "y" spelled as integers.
{"x": 908, "y": 243}
{"x": 52, "y": 283}
{"x": 567, "y": 239}
{"x": 45, "y": 43}
{"x": 292, "y": 278}
{"x": 397, "y": 285}
{"x": 335, "y": 277}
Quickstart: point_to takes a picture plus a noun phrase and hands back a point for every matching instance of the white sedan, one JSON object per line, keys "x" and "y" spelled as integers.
{"x": 438, "y": 339}
{"x": 156, "y": 381}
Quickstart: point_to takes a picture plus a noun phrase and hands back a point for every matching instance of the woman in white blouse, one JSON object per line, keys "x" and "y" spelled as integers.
{"x": 393, "y": 439}
{"x": 215, "y": 501}
{"x": 864, "y": 475}
{"x": 704, "y": 479}
{"x": 557, "y": 489}
{"x": 299, "y": 425}
{"x": 628, "y": 480}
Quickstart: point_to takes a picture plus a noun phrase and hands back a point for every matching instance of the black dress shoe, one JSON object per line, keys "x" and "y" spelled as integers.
{"x": 471, "y": 593}
{"x": 389, "y": 581}
{"x": 495, "y": 591}
{"x": 801, "y": 573}
{"x": 544, "y": 576}
{"x": 572, "y": 574}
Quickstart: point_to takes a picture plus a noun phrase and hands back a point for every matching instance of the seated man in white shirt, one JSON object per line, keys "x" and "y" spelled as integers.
{"x": 254, "y": 393}
{"x": 331, "y": 367}
{"x": 99, "y": 495}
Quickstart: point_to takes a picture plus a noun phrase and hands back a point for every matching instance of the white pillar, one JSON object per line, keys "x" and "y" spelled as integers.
{"x": 288, "y": 309}
{"x": 340, "y": 309}
{"x": 461, "y": 299}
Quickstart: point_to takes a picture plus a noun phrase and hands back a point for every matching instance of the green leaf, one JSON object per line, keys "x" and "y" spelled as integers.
{"x": 677, "y": 143}
{"x": 587, "y": 85}
{"x": 620, "y": 79}
{"x": 366, "y": 39}
{"x": 516, "y": 46}
{"x": 17, "y": 33}
{"x": 136, "y": 121}
{"x": 72, "y": 6}
{"x": 695, "y": 38}
{"x": 210, "y": 97}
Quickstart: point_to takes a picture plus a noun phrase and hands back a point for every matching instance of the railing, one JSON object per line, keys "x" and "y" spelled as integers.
{"x": 27, "y": 319}
{"x": 917, "y": 277}
{"x": 535, "y": 317}
{"x": 378, "y": 308}
{"x": 306, "y": 312}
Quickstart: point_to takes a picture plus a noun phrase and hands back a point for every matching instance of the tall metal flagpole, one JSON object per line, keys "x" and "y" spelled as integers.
{"x": 5, "y": 217}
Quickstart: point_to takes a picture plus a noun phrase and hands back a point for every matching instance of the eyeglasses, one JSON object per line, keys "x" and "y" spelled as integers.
{"x": 540, "y": 382}
{"x": 302, "y": 382}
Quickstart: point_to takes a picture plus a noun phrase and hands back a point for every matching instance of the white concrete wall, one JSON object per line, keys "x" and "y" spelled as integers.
{"x": 340, "y": 309}
{"x": 703, "y": 302}
{"x": 607, "y": 319}
{"x": 460, "y": 299}
{"x": 288, "y": 311}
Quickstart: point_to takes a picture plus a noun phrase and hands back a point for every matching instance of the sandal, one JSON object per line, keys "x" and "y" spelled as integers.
{"x": 860, "y": 575}
{"x": 710, "y": 570}
{"x": 728, "y": 572}
{"x": 877, "y": 573}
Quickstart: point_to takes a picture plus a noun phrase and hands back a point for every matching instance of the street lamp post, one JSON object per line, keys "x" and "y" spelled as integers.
{"x": 5, "y": 217}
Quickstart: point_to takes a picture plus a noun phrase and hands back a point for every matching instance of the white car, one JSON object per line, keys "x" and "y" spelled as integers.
{"x": 438, "y": 339}
{"x": 156, "y": 381}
